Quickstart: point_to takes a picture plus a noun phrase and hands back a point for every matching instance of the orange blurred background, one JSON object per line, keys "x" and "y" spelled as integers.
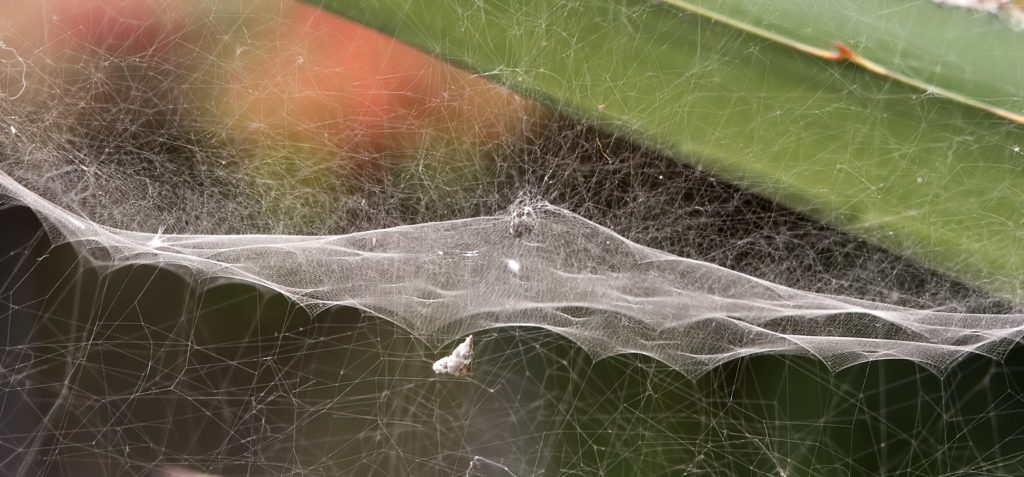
{"x": 272, "y": 70}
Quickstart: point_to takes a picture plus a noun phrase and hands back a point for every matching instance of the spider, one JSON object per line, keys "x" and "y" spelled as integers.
{"x": 522, "y": 222}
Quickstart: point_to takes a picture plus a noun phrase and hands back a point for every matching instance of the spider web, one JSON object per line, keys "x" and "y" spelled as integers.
{"x": 208, "y": 267}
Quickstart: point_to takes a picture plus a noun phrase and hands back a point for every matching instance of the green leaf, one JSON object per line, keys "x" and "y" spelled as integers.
{"x": 931, "y": 177}
{"x": 961, "y": 53}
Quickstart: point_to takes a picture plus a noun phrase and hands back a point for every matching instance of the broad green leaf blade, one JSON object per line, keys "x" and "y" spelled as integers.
{"x": 971, "y": 56}
{"x": 933, "y": 178}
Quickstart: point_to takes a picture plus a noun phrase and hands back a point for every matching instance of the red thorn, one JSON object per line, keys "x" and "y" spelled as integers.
{"x": 844, "y": 52}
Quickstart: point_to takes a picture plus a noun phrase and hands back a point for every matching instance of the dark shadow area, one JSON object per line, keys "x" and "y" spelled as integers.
{"x": 140, "y": 369}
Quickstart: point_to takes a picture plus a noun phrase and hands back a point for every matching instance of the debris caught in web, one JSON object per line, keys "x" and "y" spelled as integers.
{"x": 460, "y": 362}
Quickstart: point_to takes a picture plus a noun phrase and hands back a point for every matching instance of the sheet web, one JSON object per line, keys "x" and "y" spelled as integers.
{"x": 201, "y": 280}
